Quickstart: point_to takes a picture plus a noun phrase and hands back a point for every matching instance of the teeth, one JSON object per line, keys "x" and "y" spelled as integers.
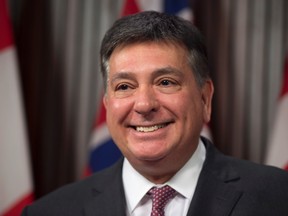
{"x": 149, "y": 129}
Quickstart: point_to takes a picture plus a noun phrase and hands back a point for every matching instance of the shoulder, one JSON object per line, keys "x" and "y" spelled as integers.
{"x": 265, "y": 187}
{"x": 251, "y": 177}
{"x": 246, "y": 169}
{"x": 70, "y": 199}
{"x": 264, "y": 174}
{"x": 262, "y": 187}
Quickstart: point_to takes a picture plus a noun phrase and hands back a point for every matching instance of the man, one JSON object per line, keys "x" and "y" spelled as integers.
{"x": 158, "y": 96}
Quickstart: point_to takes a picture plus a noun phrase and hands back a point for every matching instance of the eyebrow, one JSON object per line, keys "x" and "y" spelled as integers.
{"x": 122, "y": 75}
{"x": 167, "y": 71}
{"x": 156, "y": 73}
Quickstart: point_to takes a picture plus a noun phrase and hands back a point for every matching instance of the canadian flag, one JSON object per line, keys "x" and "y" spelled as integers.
{"x": 278, "y": 148}
{"x": 15, "y": 177}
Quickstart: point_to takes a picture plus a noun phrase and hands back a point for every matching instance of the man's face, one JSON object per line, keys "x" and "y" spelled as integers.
{"x": 155, "y": 110}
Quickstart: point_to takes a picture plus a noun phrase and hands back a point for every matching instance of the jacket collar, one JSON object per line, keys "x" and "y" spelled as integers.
{"x": 215, "y": 188}
{"x": 108, "y": 197}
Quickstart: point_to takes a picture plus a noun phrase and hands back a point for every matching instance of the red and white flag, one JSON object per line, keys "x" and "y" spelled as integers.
{"x": 15, "y": 176}
{"x": 278, "y": 149}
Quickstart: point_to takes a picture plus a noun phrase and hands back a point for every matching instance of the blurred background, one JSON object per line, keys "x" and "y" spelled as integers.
{"x": 57, "y": 44}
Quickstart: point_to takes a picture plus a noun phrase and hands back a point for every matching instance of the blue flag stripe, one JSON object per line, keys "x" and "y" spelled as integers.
{"x": 104, "y": 156}
{"x": 174, "y": 6}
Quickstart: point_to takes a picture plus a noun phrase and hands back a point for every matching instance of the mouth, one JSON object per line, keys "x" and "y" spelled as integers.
{"x": 147, "y": 129}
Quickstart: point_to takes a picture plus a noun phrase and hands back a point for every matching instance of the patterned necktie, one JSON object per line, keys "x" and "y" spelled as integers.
{"x": 160, "y": 197}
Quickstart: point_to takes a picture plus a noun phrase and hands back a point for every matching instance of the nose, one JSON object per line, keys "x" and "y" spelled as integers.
{"x": 146, "y": 101}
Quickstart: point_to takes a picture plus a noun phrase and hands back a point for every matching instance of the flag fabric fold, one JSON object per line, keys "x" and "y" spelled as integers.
{"x": 15, "y": 174}
{"x": 278, "y": 146}
{"x": 100, "y": 158}
{"x": 103, "y": 151}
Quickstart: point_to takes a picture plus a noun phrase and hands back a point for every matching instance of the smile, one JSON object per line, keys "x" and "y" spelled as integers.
{"x": 150, "y": 128}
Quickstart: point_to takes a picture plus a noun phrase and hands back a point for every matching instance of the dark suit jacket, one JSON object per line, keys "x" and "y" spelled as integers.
{"x": 226, "y": 186}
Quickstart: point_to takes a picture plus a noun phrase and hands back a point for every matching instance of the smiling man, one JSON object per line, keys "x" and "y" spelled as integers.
{"x": 158, "y": 95}
{"x": 155, "y": 108}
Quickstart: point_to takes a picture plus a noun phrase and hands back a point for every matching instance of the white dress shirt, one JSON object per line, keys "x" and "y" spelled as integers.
{"x": 184, "y": 182}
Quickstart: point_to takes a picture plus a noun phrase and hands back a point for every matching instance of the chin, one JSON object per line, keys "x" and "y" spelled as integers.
{"x": 150, "y": 157}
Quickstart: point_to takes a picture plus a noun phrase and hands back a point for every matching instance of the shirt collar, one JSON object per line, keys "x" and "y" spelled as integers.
{"x": 184, "y": 181}
{"x": 135, "y": 185}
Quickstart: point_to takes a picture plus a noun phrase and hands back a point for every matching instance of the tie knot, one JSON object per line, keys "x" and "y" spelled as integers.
{"x": 160, "y": 197}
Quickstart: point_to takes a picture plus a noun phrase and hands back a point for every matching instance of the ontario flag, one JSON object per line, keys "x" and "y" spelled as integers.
{"x": 103, "y": 151}
{"x": 278, "y": 148}
{"x": 15, "y": 176}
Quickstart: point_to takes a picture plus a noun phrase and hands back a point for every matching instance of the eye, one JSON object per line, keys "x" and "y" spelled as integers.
{"x": 168, "y": 85}
{"x": 166, "y": 82}
{"x": 122, "y": 87}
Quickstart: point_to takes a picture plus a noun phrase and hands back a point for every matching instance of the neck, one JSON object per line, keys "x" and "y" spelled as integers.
{"x": 158, "y": 172}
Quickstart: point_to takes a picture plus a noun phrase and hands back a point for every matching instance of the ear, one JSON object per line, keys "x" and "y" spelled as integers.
{"x": 104, "y": 99}
{"x": 207, "y": 95}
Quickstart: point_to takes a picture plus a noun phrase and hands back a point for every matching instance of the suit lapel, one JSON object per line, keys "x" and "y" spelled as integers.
{"x": 108, "y": 196}
{"x": 215, "y": 194}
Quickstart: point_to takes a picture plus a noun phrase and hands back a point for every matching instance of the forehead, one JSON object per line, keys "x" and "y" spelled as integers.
{"x": 156, "y": 53}
{"x": 160, "y": 44}
{"x": 148, "y": 60}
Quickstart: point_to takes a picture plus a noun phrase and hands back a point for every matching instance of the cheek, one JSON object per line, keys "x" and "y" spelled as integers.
{"x": 117, "y": 110}
{"x": 181, "y": 104}
{"x": 187, "y": 108}
{"x": 113, "y": 105}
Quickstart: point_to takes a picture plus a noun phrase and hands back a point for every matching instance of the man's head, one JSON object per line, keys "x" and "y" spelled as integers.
{"x": 155, "y": 100}
{"x": 151, "y": 26}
